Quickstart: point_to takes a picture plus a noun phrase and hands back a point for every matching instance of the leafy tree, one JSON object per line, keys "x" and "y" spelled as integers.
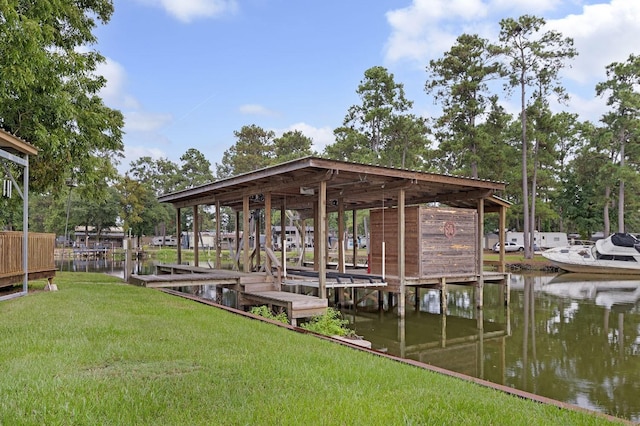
{"x": 534, "y": 60}
{"x": 409, "y": 145}
{"x": 459, "y": 82}
{"x": 48, "y": 94}
{"x": 131, "y": 201}
{"x": 379, "y": 130}
{"x": 568, "y": 135}
{"x": 95, "y": 212}
{"x": 253, "y": 150}
{"x": 350, "y": 145}
{"x": 195, "y": 169}
{"x": 499, "y": 156}
{"x": 291, "y": 145}
{"x": 381, "y": 98}
{"x": 162, "y": 175}
{"x": 623, "y": 122}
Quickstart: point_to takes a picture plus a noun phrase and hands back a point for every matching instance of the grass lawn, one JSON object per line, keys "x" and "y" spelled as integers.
{"x": 102, "y": 352}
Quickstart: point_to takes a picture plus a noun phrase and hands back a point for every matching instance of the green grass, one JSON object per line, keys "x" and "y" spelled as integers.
{"x": 101, "y": 352}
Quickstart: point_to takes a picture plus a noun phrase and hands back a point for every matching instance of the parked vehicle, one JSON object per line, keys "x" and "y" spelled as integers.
{"x": 509, "y": 246}
{"x": 543, "y": 240}
{"x": 165, "y": 241}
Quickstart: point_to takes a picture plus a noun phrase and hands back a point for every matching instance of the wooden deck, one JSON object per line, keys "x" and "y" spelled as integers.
{"x": 253, "y": 288}
{"x": 296, "y": 305}
{"x": 183, "y": 280}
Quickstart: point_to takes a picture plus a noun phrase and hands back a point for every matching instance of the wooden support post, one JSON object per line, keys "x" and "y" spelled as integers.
{"x": 341, "y": 242}
{"x": 267, "y": 230}
{"x": 246, "y": 234}
{"x": 328, "y": 247}
{"x": 355, "y": 238}
{"x": 283, "y": 237}
{"x": 501, "y": 237}
{"x": 480, "y": 237}
{"x": 443, "y": 330}
{"x": 237, "y": 242}
{"x": 443, "y": 295}
{"x": 218, "y": 238}
{"x": 179, "y": 234}
{"x": 480, "y": 293}
{"x": 316, "y": 236}
{"x": 401, "y": 252}
{"x": 321, "y": 239}
{"x": 256, "y": 240}
{"x": 303, "y": 241}
{"x": 402, "y": 337}
{"x": 196, "y": 236}
{"x": 506, "y": 288}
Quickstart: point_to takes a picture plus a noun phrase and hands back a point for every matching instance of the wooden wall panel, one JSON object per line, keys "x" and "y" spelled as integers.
{"x": 448, "y": 242}
{"x": 439, "y": 242}
{"x": 387, "y": 231}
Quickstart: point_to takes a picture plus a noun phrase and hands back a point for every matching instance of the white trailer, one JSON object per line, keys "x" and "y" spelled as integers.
{"x": 542, "y": 240}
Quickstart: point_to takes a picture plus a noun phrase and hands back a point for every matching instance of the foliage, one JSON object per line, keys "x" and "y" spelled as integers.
{"x": 253, "y": 150}
{"x": 535, "y": 60}
{"x": 49, "y": 91}
{"x": 264, "y": 311}
{"x": 328, "y": 324}
{"x": 380, "y": 130}
{"x": 623, "y": 125}
{"x": 290, "y": 146}
{"x": 195, "y": 169}
{"x": 459, "y": 82}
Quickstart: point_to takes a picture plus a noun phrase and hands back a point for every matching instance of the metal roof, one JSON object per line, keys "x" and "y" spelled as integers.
{"x": 294, "y": 185}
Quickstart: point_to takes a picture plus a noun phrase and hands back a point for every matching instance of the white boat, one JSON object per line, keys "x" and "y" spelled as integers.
{"x": 616, "y": 254}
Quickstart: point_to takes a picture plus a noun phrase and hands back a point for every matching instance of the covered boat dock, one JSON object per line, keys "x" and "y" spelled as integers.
{"x": 438, "y": 218}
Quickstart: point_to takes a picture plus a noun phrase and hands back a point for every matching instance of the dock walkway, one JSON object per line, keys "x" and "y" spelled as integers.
{"x": 252, "y": 288}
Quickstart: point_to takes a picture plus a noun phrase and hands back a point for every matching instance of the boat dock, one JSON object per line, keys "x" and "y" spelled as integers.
{"x": 253, "y": 289}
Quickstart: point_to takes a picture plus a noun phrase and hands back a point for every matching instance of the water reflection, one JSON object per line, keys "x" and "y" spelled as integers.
{"x": 106, "y": 265}
{"x": 568, "y": 337}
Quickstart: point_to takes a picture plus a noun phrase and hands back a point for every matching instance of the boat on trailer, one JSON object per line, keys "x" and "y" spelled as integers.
{"x": 617, "y": 254}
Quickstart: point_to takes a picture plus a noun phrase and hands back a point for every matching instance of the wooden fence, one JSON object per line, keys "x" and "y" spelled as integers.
{"x": 41, "y": 256}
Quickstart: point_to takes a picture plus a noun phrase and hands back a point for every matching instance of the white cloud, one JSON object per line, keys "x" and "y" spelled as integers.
{"x": 422, "y": 30}
{"x": 321, "y": 136}
{"x": 602, "y": 34}
{"x": 114, "y": 93}
{"x": 141, "y": 127}
{"x": 428, "y": 28}
{"x": 530, "y": 7}
{"x": 255, "y": 109}
{"x": 143, "y": 121}
{"x": 133, "y": 153}
{"x": 188, "y": 10}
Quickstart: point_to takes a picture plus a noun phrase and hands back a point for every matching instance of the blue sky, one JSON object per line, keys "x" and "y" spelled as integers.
{"x": 188, "y": 73}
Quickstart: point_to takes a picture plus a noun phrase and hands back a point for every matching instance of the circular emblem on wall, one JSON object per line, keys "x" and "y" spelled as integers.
{"x": 449, "y": 229}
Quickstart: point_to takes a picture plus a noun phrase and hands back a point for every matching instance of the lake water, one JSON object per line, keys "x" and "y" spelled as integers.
{"x": 565, "y": 337}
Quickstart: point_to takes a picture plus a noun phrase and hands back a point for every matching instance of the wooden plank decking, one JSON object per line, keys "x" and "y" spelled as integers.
{"x": 296, "y": 305}
{"x": 252, "y": 288}
{"x": 183, "y": 280}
